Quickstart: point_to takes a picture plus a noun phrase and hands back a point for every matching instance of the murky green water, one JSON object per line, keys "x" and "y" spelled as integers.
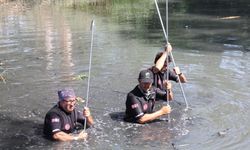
{"x": 44, "y": 45}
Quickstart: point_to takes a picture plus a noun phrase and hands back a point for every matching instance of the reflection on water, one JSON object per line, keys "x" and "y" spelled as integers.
{"x": 44, "y": 43}
{"x": 48, "y": 43}
{"x": 64, "y": 41}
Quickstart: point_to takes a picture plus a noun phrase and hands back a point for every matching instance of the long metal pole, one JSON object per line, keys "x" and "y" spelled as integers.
{"x": 171, "y": 55}
{"x": 169, "y": 119}
{"x": 90, "y": 60}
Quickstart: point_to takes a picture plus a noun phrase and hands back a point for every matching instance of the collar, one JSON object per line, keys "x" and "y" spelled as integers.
{"x": 145, "y": 93}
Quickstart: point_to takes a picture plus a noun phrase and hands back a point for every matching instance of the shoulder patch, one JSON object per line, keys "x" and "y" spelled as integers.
{"x": 134, "y": 106}
{"x": 53, "y": 120}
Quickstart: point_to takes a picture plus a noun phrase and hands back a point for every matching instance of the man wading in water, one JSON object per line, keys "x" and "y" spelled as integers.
{"x": 61, "y": 120}
{"x": 160, "y": 72}
{"x": 140, "y": 101}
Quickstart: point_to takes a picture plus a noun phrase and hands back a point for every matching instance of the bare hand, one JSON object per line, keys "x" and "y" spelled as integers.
{"x": 177, "y": 70}
{"x": 167, "y": 84}
{"x": 82, "y": 135}
{"x": 86, "y": 112}
{"x": 168, "y": 47}
{"x": 166, "y": 109}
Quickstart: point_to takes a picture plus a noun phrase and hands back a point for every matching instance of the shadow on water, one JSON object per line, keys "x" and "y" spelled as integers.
{"x": 26, "y": 134}
{"x": 20, "y": 134}
{"x": 117, "y": 116}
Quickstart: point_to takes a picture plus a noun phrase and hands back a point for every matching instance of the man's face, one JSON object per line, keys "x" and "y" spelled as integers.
{"x": 68, "y": 104}
{"x": 145, "y": 86}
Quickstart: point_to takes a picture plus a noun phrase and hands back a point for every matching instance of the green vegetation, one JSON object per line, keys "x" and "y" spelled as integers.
{"x": 80, "y": 100}
{"x": 122, "y": 8}
{"x": 80, "y": 77}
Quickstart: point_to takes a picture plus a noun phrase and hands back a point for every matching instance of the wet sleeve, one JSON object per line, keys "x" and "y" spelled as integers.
{"x": 53, "y": 122}
{"x": 134, "y": 107}
{"x": 173, "y": 76}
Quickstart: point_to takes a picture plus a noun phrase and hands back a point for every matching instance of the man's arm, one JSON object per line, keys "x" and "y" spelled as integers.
{"x": 62, "y": 136}
{"x": 53, "y": 122}
{"x": 182, "y": 77}
{"x": 160, "y": 62}
{"x": 87, "y": 115}
{"x": 162, "y": 94}
{"x": 150, "y": 117}
{"x": 170, "y": 94}
{"x": 133, "y": 107}
{"x": 168, "y": 86}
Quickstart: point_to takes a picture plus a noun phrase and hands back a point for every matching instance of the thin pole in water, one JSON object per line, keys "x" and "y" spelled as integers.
{"x": 167, "y": 20}
{"x": 171, "y": 55}
{"x": 166, "y": 37}
{"x": 169, "y": 119}
{"x": 159, "y": 14}
{"x": 90, "y": 60}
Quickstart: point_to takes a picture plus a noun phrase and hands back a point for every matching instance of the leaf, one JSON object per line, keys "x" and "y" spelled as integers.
{"x": 79, "y": 100}
{"x": 80, "y": 77}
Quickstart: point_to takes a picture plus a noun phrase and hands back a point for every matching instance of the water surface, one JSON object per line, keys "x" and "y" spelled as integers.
{"x": 44, "y": 45}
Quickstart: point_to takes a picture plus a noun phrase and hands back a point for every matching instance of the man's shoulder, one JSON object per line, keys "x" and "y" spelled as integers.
{"x": 134, "y": 92}
{"x": 154, "y": 70}
{"x": 54, "y": 111}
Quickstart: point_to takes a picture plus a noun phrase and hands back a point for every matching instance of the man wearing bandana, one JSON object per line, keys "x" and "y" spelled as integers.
{"x": 62, "y": 119}
{"x": 140, "y": 101}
